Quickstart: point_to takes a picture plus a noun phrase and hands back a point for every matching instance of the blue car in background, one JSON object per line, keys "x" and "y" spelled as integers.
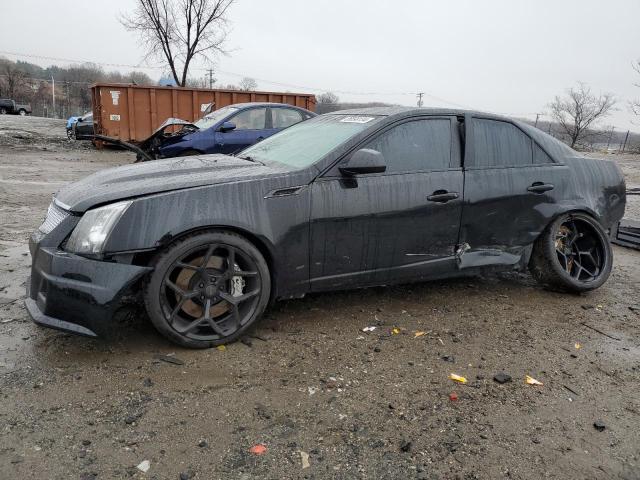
{"x": 227, "y": 130}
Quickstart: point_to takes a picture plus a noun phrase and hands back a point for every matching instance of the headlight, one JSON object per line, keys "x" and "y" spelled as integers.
{"x": 94, "y": 228}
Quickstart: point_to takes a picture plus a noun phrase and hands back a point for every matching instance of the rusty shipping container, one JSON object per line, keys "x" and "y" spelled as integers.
{"x": 131, "y": 113}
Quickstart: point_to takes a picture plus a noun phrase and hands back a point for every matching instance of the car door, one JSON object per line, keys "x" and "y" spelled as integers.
{"x": 251, "y": 125}
{"x": 511, "y": 186}
{"x": 398, "y": 225}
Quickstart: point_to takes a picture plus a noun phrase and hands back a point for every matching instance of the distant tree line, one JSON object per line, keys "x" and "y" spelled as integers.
{"x": 28, "y": 83}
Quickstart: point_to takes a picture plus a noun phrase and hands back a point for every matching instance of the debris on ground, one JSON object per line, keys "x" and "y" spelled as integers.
{"x": 599, "y": 425}
{"x": 169, "y": 359}
{"x": 405, "y": 446}
{"x": 453, "y": 396}
{"x": 221, "y": 348}
{"x": 395, "y": 331}
{"x": 577, "y": 346}
{"x": 419, "y": 334}
{"x": 258, "y": 449}
{"x": 449, "y": 358}
{"x": 532, "y": 381}
{"x": 144, "y": 466}
{"x": 457, "y": 378}
{"x": 369, "y": 329}
{"x": 304, "y": 458}
{"x": 502, "y": 377}
{"x": 599, "y": 331}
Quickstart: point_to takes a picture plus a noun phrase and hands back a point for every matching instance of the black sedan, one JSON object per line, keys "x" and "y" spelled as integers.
{"x": 349, "y": 199}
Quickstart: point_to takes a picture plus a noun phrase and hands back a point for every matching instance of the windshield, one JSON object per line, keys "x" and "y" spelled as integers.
{"x": 212, "y": 118}
{"x": 305, "y": 143}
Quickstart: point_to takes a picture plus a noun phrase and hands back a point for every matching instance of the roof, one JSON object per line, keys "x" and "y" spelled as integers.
{"x": 263, "y": 104}
{"x": 402, "y": 111}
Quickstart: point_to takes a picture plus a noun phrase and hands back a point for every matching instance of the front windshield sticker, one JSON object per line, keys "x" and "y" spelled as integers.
{"x": 358, "y": 119}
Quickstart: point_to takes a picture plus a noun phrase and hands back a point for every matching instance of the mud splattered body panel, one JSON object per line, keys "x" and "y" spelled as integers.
{"x": 320, "y": 229}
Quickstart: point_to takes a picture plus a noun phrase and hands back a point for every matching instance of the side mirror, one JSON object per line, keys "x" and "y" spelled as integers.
{"x": 363, "y": 161}
{"x": 227, "y": 127}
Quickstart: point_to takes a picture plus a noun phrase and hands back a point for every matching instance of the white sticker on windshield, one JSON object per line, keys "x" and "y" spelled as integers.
{"x": 358, "y": 119}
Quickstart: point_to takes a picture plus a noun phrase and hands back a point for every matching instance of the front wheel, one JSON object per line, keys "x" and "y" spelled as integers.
{"x": 22, "y": 112}
{"x": 207, "y": 289}
{"x": 573, "y": 254}
{"x": 3, "y": 111}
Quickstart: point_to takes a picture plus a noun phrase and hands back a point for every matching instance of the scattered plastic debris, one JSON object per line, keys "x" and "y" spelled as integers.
{"x": 395, "y": 331}
{"x": 312, "y": 390}
{"x": 170, "y": 359}
{"x": 419, "y": 334}
{"x": 532, "y": 381}
{"x": 502, "y": 377}
{"x": 304, "y": 457}
{"x": 578, "y": 346}
{"x": 144, "y": 466}
{"x": 368, "y": 329}
{"x": 258, "y": 449}
{"x": 457, "y": 378}
{"x": 222, "y": 348}
{"x": 453, "y": 396}
{"x": 599, "y": 425}
{"x": 449, "y": 358}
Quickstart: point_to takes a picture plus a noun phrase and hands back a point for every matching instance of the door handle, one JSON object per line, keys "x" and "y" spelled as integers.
{"x": 442, "y": 196}
{"x": 539, "y": 187}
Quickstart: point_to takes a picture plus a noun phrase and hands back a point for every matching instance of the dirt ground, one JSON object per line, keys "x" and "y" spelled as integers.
{"x": 311, "y": 385}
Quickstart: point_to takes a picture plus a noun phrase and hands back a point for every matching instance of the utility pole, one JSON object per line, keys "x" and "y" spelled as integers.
{"x": 419, "y": 95}
{"x": 210, "y": 77}
{"x": 53, "y": 94}
{"x": 626, "y": 137}
{"x": 537, "y": 116}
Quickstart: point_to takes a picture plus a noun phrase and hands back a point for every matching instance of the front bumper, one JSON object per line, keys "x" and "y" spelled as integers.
{"x": 76, "y": 294}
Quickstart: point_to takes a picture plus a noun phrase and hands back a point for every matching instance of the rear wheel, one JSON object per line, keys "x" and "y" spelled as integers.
{"x": 573, "y": 254}
{"x": 3, "y": 111}
{"x": 22, "y": 112}
{"x": 208, "y": 289}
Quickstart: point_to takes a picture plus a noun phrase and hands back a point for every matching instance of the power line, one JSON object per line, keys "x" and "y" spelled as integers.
{"x": 271, "y": 82}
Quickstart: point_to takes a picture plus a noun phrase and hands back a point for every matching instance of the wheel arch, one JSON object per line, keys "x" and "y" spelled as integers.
{"x": 263, "y": 246}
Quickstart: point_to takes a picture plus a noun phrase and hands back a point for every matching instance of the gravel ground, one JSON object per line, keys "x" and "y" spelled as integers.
{"x": 326, "y": 399}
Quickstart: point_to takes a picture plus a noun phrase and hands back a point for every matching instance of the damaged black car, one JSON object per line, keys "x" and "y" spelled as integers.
{"x": 345, "y": 200}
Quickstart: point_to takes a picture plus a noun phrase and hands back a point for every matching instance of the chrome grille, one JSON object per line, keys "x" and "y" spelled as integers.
{"x": 55, "y": 216}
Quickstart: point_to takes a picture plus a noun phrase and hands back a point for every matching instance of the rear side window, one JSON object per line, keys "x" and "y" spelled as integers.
{"x": 253, "y": 119}
{"x": 417, "y": 145}
{"x": 500, "y": 144}
{"x": 285, "y": 117}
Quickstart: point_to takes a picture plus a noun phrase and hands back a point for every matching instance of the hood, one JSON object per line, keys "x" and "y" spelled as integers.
{"x": 169, "y": 122}
{"x": 159, "y": 176}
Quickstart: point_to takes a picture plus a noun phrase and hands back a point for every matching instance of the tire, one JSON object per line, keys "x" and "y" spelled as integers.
{"x": 22, "y": 112}
{"x": 189, "y": 153}
{"x": 3, "y": 111}
{"x": 573, "y": 254}
{"x": 195, "y": 306}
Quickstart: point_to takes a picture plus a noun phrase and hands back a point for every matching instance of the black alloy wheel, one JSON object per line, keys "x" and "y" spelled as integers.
{"x": 208, "y": 289}
{"x": 572, "y": 254}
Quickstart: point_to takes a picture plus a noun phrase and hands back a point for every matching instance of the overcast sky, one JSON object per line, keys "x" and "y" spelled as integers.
{"x": 503, "y": 56}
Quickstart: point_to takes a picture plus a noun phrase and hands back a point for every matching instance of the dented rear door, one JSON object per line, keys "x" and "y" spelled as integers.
{"x": 512, "y": 191}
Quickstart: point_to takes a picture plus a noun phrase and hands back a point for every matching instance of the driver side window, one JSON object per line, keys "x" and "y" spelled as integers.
{"x": 253, "y": 119}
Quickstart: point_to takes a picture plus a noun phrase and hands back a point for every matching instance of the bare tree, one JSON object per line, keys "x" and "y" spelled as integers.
{"x": 635, "y": 104}
{"x": 180, "y": 31}
{"x": 328, "y": 98}
{"x": 578, "y": 111}
{"x": 13, "y": 80}
{"x": 247, "y": 84}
